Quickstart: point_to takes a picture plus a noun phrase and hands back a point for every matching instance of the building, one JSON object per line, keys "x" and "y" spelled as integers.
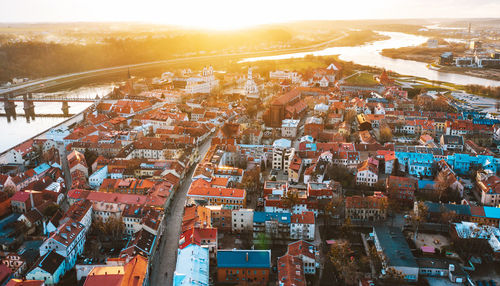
{"x": 242, "y": 220}
{"x": 401, "y": 188}
{"x": 251, "y": 88}
{"x": 16, "y": 263}
{"x": 290, "y": 271}
{"x": 96, "y": 179}
{"x": 484, "y": 240}
{"x": 313, "y": 126}
{"x": 273, "y": 224}
{"x": 192, "y": 267}
{"x": 243, "y": 267}
{"x": 395, "y": 253}
{"x": 24, "y": 282}
{"x": 76, "y": 161}
{"x": 120, "y": 272}
{"x": 49, "y": 268}
{"x": 489, "y": 186}
{"x": 282, "y": 154}
{"x": 302, "y": 226}
{"x": 235, "y": 198}
{"x": 288, "y": 105}
{"x": 68, "y": 241}
{"x": 452, "y": 142}
{"x": 308, "y": 254}
{"x": 289, "y": 128}
{"x": 369, "y": 208}
{"x": 367, "y": 173}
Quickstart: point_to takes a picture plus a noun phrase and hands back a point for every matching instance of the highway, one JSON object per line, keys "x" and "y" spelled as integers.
{"x": 40, "y": 84}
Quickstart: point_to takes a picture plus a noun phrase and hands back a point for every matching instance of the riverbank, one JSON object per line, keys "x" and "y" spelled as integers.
{"x": 431, "y": 55}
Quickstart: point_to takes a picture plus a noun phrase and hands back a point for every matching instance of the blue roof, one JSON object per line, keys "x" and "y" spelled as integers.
{"x": 458, "y": 209}
{"x": 41, "y": 168}
{"x": 426, "y": 184}
{"x": 238, "y": 259}
{"x": 492, "y": 212}
{"x": 261, "y": 217}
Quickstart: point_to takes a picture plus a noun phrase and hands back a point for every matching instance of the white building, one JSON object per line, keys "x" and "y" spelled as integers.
{"x": 242, "y": 220}
{"x": 96, "y": 179}
{"x": 282, "y": 154}
{"x": 68, "y": 241}
{"x": 251, "y": 89}
{"x": 289, "y": 127}
{"x": 302, "y": 226}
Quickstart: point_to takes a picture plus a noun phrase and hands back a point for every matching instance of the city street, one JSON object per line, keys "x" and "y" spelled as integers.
{"x": 165, "y": 259}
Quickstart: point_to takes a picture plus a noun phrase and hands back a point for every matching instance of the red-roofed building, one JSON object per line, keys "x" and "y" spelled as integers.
{"x": 290, "y": 271}
{"x": 302, "y": 226}
{"x": 307, "y": 252}
{"x": 22, "y": 202}
{"x": 76, "y": 161}
{"x": 369, "y": 208}
{"x": 367, "y": 173}
{"x": 235, "y": 198}
{"x": 206, "y": 237}
{"x": 401, "y": 188}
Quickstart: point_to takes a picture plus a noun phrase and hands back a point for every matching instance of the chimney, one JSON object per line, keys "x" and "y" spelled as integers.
{"x": 247, "y": 257}
{"x": 32, "y": 200}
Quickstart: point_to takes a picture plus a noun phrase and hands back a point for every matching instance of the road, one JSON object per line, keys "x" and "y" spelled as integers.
{"x": 40, "y": 84}
{"x": 167, "y": 250}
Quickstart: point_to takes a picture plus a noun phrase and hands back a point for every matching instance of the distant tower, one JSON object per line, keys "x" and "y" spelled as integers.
{"x": 128, "y": 72}
{"x": 251, "y": 89}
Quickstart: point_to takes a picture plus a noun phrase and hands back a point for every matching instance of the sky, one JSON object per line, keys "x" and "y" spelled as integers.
{"x": 232, "y": 14}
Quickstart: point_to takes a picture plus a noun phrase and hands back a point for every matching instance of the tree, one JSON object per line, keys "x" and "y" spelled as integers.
{"x": 263, "y": 241}
{"x": 393, "y": 277}
{"x": 447, "y": 216}
{"x": 112, "y": 229}
{"x": 350, "y": 116}
{"x": 344, "y": 262}
{"x": 418, "y": 217}
{"x": 50, "y": 210}
{"x": 251, "y": 180}
{"x": 290, "y": 199}
{"x": 385, "y": 134}
{"x": 441, "y": 185}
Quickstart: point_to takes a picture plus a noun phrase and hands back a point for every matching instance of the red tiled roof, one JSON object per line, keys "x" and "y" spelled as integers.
{"x": 217, "y": 192}
{"x": 358, "y": 202}
{"x": 303, "y": 218}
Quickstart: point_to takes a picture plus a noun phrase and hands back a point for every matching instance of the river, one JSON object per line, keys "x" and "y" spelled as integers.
{"x": 15, "y": 131}
{"x": 369, "y": 55}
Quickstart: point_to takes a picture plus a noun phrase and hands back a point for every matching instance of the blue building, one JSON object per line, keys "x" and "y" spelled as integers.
{"x": 243, "y": 267}
{"x": 49, "y": 268}
{"x": 274, "y": 225}
{"x": 192, "y": 266}
{"x": 461, "y": 163}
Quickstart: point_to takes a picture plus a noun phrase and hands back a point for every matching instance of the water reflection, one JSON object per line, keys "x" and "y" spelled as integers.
{"x": 369, "y": 55}
{"x": 16, "y": 128}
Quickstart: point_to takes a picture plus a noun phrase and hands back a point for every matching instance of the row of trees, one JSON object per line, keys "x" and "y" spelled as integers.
{"x": 39, "y": 59}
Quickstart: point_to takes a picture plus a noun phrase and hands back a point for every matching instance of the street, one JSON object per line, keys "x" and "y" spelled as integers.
{"x": 167, "y": 250}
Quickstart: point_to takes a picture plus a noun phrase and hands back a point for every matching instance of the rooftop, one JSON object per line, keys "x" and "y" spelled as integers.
{"x": 244, "y": 258}
{"x": 394, "y": 246}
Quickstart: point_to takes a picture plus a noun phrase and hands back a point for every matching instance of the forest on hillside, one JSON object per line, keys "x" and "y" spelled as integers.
{"x": 34, "y": 59}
